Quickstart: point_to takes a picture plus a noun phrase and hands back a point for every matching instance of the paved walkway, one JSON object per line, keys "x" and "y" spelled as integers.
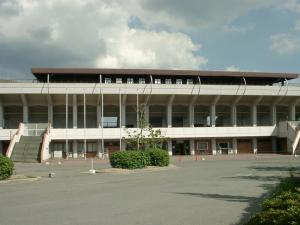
{"x": 219, "y": 190}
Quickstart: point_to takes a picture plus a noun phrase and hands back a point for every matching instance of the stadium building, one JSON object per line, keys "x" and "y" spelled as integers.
{"x": 79, "y": 113}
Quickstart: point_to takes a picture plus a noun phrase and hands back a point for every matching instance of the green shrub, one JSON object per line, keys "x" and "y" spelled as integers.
{"x": 283, "y": 208}
{"x": 6, "y": 167}
{"x": 158, "y": 157}
{"x": 129, "y": 159}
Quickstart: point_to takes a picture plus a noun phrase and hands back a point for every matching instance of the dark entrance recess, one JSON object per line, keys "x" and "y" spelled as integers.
{"x": 180, "y": 147}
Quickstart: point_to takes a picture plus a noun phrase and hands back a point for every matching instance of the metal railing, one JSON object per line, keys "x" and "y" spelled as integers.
{"x": 34, "y": 129}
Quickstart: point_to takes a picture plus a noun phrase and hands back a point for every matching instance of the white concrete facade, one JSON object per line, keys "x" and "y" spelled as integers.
{"x": 106, "y": 104}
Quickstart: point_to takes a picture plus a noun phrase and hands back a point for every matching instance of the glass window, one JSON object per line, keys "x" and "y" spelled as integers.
{"x": 130, "y": 81}
{"x": 142, "y": 80}
{"x": 202, "y": 146}
{"x": 168, "y": 81}
{"x": 178, "y": 81}
{"x": 107, "y": 80}
{"x": 189, "y": 81}
{"x": 157, "y": 81}
{"x": 119, "y": 80}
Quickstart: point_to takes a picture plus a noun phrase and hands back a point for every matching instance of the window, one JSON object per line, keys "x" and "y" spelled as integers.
{"x": 178, "y": 81}
{"x": 142, "y": 80}
{"x": 157, "y": 81}
{"x": 202, "y": 146}
{"x": 189, "y": 81}
{"x": 119, "y": 80}
{"x": 130, "y": 81}
{"x": 223, "y": 145}
{"x": 107, "y": 80}
{"x": 168, "y": 81}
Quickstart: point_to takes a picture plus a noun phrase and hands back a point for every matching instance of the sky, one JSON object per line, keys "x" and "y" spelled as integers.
{"x": 235, "y": 35}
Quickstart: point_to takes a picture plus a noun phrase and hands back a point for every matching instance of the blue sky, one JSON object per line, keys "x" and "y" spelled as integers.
{"x": 246, "y": 35}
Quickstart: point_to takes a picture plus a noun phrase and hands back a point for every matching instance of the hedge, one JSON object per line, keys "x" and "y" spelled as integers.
{"x": 158, "y": 157}
{"x": 133, "y": 159}
{"x": 6, "y": 167}
{"x": 129, "y": 159}
{"x": 283, "y": 207}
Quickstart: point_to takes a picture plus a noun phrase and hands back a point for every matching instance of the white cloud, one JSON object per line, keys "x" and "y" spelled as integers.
{"x": 285, "y": 43}
{"x": 232, "y": 68}
{"x": 88, "y": 33}
{"x": 292, "y": 5}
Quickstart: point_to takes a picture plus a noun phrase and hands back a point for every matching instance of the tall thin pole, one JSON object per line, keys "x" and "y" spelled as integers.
{"x": 67, "y": 141}
{"x": 102, "y": 111}
{"x": 120, "y": 116}
{"x": 137, "y": 116}
{"x": 84, "y": 122}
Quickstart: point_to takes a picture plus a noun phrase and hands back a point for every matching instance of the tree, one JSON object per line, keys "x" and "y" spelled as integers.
{"x": 145, "y": 136}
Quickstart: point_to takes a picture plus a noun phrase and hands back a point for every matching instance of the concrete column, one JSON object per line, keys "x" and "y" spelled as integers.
{"x": 292, "y": 112}
{"x": 191, "y": 115}
{"x": 75, "y": 149}
{"x": 213, "y": 115}
{"x": 234, "y": 146}
{"x": 98, "y": 115}
{"x": 254, "y": 115}
{"x": 147, "y": 113}
{"x": 233, "y": 116}
{"x": 170, "y": 147}
{"x": 169, "y": 115}
{"x": 25, "y": 109}
{"x": 213, "y": 146}
{"x": 273, "y": 115}
{"x": 274, "y": 144}
{"x": 254, "y": 145}
{"x": 123, "y": 145}
{"x": 25, "y": 114}
{"x": 1, "y": 116}
{"x": 192, "y": 147}
{"x": 75, "y": 117}
{"x": 50, "y": 111}
{"x": 123, "y": 115}
{"x": 99, "y": 149}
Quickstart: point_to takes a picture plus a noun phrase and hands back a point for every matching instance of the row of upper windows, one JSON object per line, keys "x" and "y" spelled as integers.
{"x": 143, "y": 81}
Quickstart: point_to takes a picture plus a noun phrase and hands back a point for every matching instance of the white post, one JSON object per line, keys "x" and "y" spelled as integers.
{"x": 191, "y": 115}
{"x": 25, "y": 109}
{"x": 67, "y": 117}
{"x": 50, "y": 110}
{"x": 75, "y": 149}
{"x": 233, "y": 115}
{"x": 120, "y": 116}
{"x": 273, "y": 114}
{"x": 213, "y": 146}
{"x": 84, "y": 121}
{"x": 75, "y": 117}
{"x": 170, "y": 147}
{"x": 99, "y": 149}
{"x": 169, "y": 110}
{"x": 1, "y": 116}
{"x": 254, "y": 145}
{"x": 123, "y": 111}
{"x": 137, "y": 109}
{"x": 213, "y": 115}
{"x": 234, "y": 146}
{"x": 147, "y": 113}
{"x": 254, "y": 115}
{"x": 292, "y": 112}
{"x": 192, "y": 147}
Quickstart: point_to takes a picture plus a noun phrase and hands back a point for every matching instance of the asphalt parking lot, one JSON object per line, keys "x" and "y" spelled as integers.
{"x": 220, "y": 190}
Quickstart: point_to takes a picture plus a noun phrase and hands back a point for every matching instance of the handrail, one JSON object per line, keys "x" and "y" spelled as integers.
{"x": 45, "y": 144}
{"x": 15, "y": 138}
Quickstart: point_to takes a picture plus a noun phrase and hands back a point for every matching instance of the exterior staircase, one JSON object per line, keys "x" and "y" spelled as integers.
{"x": 28, "y": 149}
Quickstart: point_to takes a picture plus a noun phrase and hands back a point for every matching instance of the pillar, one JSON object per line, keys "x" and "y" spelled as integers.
{"x": 192, "y": 147}
{"x": 234, "y": 146}
{"x": 273, "y": 115}
{"x": 254, "y": 115}
{"x": 123, "y": 145}
{"x": 213, "y": 115}
{"x": 75, "y": 117}
{"x": 50, "y": 111}
{"x": 25, "y": 109}
{"x": 254, "y": 145}
{"x": 75, "y": 149}
{"x": 147, "y": 113}
{"x": 233, "y": 116}
{"x": 99, "y": 149}
{"x": 191, "y": 115}
{"x": 213, "y": 146}
{"x": 1, "y": 148}
{"x": 170, "y": 147}
{"x": 274, "y": 144}
{"x": 123, "y": 115}
{"x": 1, "y": 116}
{"x": 169, "y": 115}
{"x": 292, "y": 112}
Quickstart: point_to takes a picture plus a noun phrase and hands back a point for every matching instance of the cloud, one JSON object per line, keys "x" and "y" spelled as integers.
{"x": 297, "y": 26}
{"x": 191, "y": 14}
{"x": 285, "y": 43}
{"x": 87, "y": 34}
{"x": 232, "y": 68}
